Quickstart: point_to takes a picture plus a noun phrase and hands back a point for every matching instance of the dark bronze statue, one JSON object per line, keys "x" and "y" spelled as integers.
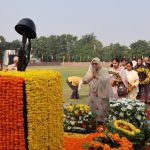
{"x": 27, "y": 29}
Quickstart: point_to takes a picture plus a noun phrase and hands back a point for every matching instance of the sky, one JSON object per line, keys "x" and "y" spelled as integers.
{"x": 111, "y": 21}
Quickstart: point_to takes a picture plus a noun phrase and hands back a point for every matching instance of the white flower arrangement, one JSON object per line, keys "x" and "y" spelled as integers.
{"x": 78, "y": 118}
{"x": 133, "y": 111}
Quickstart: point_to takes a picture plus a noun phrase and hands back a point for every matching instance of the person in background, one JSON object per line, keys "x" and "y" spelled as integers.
{"x": 13, "y": 67}
{"x": 117, "y": 76}
{"x": 123, "y": 63}
{"x": 145, "y": 61}
{"x": 141, "y": 70}
{"x": 74, "y": 83}
{"x": 146, "y": 82}
{"x": 133, "y": 81}
{"x": 97, "y": 77}
{"x": 134, "y": 62}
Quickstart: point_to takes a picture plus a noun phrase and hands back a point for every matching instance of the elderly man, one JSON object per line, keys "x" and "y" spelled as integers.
{"x": 145, "y": 61}
{"x": 14, "y": 65}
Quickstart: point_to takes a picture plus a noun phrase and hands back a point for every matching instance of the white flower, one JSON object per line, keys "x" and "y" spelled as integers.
{"x": 114, "y": 118}
{"x": 144, "y": 117}
{"x": 121, "y": 114}
{"x": 67, "y": 121}
{"x": 80, "y": 122}
{"x": 123, "y": 109}
{"x": 129, "y": 107}
{"x": 80, "y": 118}
{"x": 68, "y": 117}
{"x": 90, "y": 113}
{"x": 116, "y": 112}
{"x": 138, "y": 117}
{"x": 72, "y": 118}
{"x": 68, "y": 127}
{"x": 128, "y": 113}
{"x": 72, "y": 122}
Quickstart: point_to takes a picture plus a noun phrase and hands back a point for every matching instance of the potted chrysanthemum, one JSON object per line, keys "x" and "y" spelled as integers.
{"x": 133, "y": 111}
{"x": 79, "y": 118}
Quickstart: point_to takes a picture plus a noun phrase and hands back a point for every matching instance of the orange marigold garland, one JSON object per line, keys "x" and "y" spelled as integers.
{"x": 11, "y": 114}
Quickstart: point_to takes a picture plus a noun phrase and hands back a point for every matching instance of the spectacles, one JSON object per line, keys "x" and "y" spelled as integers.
{"x": 94, "y": 64}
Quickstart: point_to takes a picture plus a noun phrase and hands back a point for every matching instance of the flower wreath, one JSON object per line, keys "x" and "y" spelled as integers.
{"x": 126, "y": 127}
{"x": 108, "y": 141}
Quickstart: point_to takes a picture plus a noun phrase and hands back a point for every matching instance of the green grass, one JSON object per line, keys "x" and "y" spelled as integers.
{"x": 67, "y": 71}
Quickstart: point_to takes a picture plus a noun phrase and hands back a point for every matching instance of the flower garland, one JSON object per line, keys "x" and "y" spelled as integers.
{"x": 126, "y": 127}
{"x": 108, "y": 141}
{"x": 12, "y": 132}
{"x": 44, "y": 103}
{"x": 74, "y": 141}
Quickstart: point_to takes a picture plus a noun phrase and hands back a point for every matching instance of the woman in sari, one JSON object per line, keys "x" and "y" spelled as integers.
{"x": 100, "y": 89}
{"x": 133, "y": 80}
{"x": 117, "y": 76}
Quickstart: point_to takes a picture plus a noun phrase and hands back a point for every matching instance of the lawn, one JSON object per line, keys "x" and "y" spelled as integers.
{"x": 65, "y": 72}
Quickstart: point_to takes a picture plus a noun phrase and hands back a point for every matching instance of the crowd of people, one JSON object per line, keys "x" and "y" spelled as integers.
{"x": 124, "y": 79}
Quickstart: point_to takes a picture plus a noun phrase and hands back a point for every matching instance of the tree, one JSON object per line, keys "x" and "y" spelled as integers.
{"x": 15, "y": 44}
{"x": 39, "y": 45}
{"x": 140, "y": 48}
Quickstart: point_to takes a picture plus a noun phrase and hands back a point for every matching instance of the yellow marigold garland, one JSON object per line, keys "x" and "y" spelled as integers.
{"x": 126, "y": 127}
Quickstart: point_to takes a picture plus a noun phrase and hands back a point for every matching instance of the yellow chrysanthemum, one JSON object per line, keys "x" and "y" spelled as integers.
{"x": 70, "y": 108}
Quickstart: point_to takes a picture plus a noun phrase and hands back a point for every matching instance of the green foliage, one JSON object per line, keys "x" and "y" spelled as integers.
{"x": 140, "y": 48}
{"x": 67, "y": 47}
